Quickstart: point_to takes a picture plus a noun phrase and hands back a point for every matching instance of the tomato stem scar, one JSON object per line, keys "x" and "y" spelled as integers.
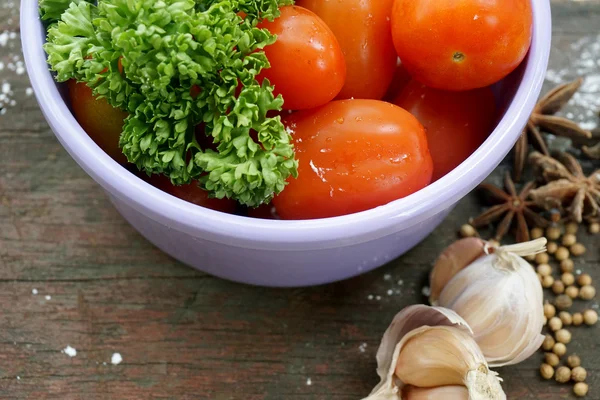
{"x": 458, "y": 57}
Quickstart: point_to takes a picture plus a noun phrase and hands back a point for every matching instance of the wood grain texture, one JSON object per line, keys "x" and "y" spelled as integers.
{"x": 183, "y": 334}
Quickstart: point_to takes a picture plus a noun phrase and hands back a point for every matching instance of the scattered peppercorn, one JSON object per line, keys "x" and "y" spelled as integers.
{"x": 584, "y": 280}
{"x": 594, "y": 228}
{"x": 590, "y": 317}
{"x": 553, "y": 233}
{"x": 577, "y": 249}
{"x": 563, "y": 336}
{"x": 551, "y": 247}
{"x": 562, "y": 253}
{"x": 587, "y": 292}
{"x": 567, "y": 265}
{"x": 563, "y": 302}
{"x": 555, "y": 324}
{"x": 549, "y": 310}
{"x": 542, "y": 258}
{"x": 569, "y": 240}
{"x": 567, "y": 278}
{"x": 577, "y": 319}
{"x": 467, "y": 231}
{"x": 566, "y": 318}
{"x": 558, "y": 287}
{"x": 547, "y": 281}
{"x": 563, "y": 374}
{"x": 559, "y": 349}
{"x": 571, "y": 228}
{"x": 546, "y": 371}
{"x": 573, "y": 361}
{"x": 572, "y": 292}
{"x": 544, "y": 269}
{"x": 548, "y": 343}
{"x": 578, "y": 374}
{"x": 580, "y": 389}
{"x": 536, "y": 233}
{"x": 552, "y": 359}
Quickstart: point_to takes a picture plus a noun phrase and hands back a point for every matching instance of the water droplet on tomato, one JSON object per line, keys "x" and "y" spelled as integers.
{"x": 340, "y": 120}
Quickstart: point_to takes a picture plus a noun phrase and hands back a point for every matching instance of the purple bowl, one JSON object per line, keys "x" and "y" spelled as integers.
{"x": 287, "y": 253}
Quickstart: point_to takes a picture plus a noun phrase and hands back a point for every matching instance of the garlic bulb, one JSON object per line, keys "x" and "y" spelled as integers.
{"x": 454, "y": 258}
{"x": 443, "y": 355}
{"x": 442, "y": 392}
{"x": 501, "y": 298}
{"x": 406, "y": 347}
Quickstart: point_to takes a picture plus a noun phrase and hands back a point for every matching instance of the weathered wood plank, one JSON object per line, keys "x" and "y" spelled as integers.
{"x": 183, "y": 334}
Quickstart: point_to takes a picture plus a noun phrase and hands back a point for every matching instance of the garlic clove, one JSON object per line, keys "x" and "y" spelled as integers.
{"x": 438, "y": 393}
{"x": 501, "y": 298}
{"x": 444, "y": 355}
{"x": 453, "y": 259}
{"x": 407, "y": 320}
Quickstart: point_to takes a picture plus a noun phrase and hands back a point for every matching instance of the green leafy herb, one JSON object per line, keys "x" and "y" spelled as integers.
{"x": 174, "y": 65}
{"x": 51, "y": 10}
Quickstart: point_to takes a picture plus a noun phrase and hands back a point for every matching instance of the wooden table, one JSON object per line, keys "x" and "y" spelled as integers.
{"x": 102, "y": 289}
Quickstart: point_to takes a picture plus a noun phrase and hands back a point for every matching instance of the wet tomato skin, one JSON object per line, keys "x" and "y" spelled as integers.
{"x": 353, "y": 155}
{"x": 362, "y": 28}
{"x": 307, "y": 63}
{"x": 457, "y": 123}
{"x": 461, "y": 44}
{"x": 101, "y": 121}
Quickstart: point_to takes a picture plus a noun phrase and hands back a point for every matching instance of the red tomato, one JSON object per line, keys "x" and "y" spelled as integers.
{"x": 307, "y": 64}
{"x": 354, "y": 155}
{"x": 362, "y": 27}
{"x": 457, "y": 123}
{"x": 192, "y": 193}
{"x": 266, "y": 211}
{"x": 461, "y": 44}
{"x": 102, "y": 122}
{"x": 399, "y": 81}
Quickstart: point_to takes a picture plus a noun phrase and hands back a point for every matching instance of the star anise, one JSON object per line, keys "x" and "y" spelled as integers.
{"x": 567, "y": 186}
{"x": 543, "y": 119}
{"x": 512, "y": 205}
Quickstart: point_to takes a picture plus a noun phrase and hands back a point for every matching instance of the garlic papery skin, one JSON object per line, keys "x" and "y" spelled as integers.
{"x": 453, "y": 259}
{"x": 442, "y": 356}
{"x": 409, "y": 321}
{"x": 438, "y": 393}
{"x": 501, "y": 298}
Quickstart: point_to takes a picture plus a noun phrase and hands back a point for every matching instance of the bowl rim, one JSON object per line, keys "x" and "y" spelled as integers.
{"x": 239, "y": 230}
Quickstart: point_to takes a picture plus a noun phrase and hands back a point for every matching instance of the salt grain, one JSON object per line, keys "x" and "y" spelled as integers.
{"x": 28, "y": 91}
{"x": 400, "y": 282}
{"x": 70, "y": 351}
{"x": 390, "y": 292}
{"x": 18, "y": 378}
{"x": 378, "y": 298}
{"x": 362, "y": 348}
{"x": 1, "y": 65}
{"x": 116, "y": 359}
{"x": 5, "y": 87}
{"x": 426, "y": 291}
{"x": 308, "y": 382}
{"x": 370, "y": 297}
{"x": 48, "y": 297}
{"x": 34, "y": 291}
{"x": 387, "y": 277}
{"x": 3, "y": 38}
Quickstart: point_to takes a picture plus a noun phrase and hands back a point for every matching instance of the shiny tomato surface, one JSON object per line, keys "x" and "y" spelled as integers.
{"x": 461, "y": 44}
{"x": 362, "y": 28}
{"x": 457, "y": 123}
{"x": 353, "y": 155}
{"x": 307, "y": 63}
{"x": 101, "y": 121}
